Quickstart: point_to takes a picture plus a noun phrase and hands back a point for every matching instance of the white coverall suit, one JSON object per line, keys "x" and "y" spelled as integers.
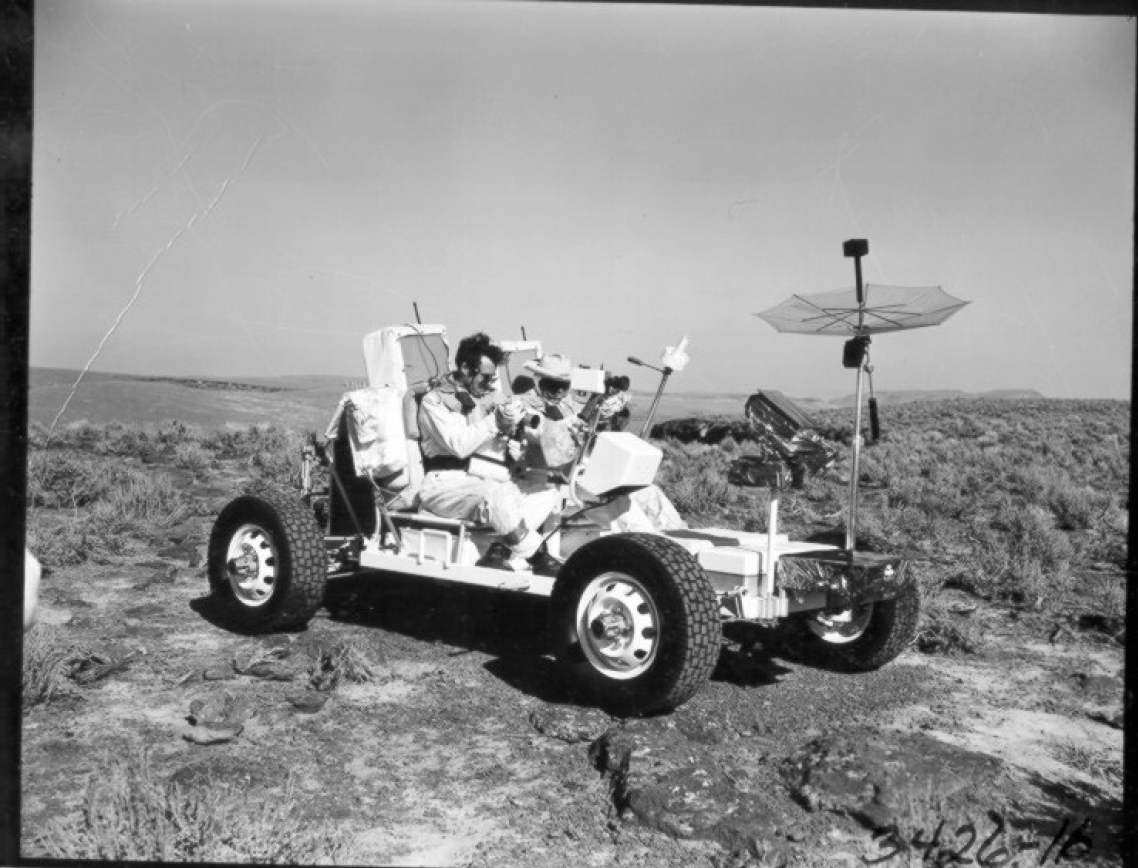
{"x": 455, "y": 425}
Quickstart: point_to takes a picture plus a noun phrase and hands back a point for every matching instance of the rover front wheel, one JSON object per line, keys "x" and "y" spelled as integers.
{"x": 267, "y": 563}
{"x": 635, "y": 624}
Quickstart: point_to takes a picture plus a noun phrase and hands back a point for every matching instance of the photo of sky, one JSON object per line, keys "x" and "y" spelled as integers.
{"x": 246, "y": 188}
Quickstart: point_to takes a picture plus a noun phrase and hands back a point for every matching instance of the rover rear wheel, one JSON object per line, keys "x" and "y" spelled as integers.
{"x": 865, "y": 636}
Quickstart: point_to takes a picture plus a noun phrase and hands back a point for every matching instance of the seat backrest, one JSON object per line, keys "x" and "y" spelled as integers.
{"x": 404, "y": 355}
{"x": 408, "y": 358}
{"x": 409, "y": 497}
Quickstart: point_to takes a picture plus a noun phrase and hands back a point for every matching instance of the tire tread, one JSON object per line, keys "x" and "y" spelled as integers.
{"x": 701, "y": 636}
{"x": 307, "y": 559}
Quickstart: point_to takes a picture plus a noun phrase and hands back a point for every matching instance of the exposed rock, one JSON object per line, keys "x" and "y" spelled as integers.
{"x": 272, "y": 664}
{"x": 52, "y": 616}
{"x": 165, "y": 574}
{"x": 1111, "y": 625}
{"x": 696, "y": 430}
{"x": 307, "y": 701}
{"x": 189, "y": 551}
{"x": 221, "y": 710}
{"x": 871, "y": 776}
{"x": 273, "y": 670}
{"x": 666, "y": 782}
{"x": 1103, "y": 688}
{"x": 570, "y": 724}
{"x": 210, "y": 734}
{"x": 230, "y": 770}
{"x": 145, "y": 612}
{"x": 1112, "y": 719}
{"x": 100, "y": 663}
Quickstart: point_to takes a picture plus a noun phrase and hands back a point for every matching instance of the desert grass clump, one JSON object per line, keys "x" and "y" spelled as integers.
{"x": 1097, "y": 764}
{"x": 278, "y": 461}
{"x": 58, "y": 543}
{"x": 193, "y": 457}
{"x": 1021, "y": 557}
{"x": 942, "y": 634}
{"x": 243, "y": 441}
{"x": 144, "y": 499}
{"x": 47, "y": 663}
{"x": 129, "y": 813}
{"x": 1075, "y": 507}
{"x": 1078, "y": 507}
{"x": 342, "y": 661}
{"x": 694, "y": 477}
{"x": 68, "y": 480}
{"x": 699, "y": 494}
{"x": 122, "y": 504}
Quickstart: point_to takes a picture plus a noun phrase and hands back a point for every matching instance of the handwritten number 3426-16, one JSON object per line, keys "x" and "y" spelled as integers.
{"x": 954, "y": 848}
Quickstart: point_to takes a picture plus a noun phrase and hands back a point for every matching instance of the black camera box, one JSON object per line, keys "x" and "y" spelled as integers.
{"x": 779, "y": 412}
{"x": 786, "y": 431}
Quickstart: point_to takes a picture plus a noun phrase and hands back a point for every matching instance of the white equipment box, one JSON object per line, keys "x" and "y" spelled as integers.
{"x": 619, "y": 460}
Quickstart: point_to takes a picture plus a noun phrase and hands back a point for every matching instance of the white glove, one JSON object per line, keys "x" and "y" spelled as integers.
{"x": 508, "y": 414}
{"x": 675, "y": 357}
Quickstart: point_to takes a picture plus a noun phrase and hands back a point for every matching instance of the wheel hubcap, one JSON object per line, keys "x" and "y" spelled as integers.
{"x": 842, "y": 627}
{"x": 251, "y": 563}
{"x": 618, "y": 624}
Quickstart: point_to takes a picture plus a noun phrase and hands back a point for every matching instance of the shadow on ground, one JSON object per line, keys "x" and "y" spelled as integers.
{"x": 748, "y": 656}
{"x": 218, "y": 613}
{"x": 1084, "y": 825}
{"x": 510, "y": 627}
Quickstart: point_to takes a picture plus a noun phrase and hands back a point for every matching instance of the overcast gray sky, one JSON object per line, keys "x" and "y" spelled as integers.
{"x": 258, "y": 184}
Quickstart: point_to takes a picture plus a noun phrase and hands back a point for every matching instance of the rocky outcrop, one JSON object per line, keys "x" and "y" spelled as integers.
{"x": 665, "y": 781}
{"x": 746, "y": 800}
{"x": 696, "y": 430}
{"x": 872, "y": 776}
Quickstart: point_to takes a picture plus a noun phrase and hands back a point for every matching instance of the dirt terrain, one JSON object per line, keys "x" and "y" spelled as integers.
{"x": 427, "y": 725}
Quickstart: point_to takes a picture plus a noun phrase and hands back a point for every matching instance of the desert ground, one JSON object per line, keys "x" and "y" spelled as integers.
{"x": 417, "y": 723}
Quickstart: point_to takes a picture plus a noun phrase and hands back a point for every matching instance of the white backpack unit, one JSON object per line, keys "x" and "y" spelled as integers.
{"x": 380, "y": 418}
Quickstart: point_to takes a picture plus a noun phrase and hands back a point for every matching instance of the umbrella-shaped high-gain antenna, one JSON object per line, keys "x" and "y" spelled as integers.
{"x": 856, "y": 314}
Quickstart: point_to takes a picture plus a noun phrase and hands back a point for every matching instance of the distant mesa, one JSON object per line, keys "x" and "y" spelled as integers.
{"x": 213, "y": 384}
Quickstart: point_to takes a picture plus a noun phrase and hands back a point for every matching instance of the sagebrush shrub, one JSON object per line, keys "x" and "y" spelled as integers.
{"x": 192, "y": 457}
{"x": 58, "y": 543}
{"x": 1022, "y": 556}
{"x": 130, "y": 813}
{"x": 142, "y": 499}
{"x": 1077, "y": 507}
{"x": 278, "y": 460}
{"x": 68, "y": 480}
{"x": 45, "y": 665}
{"x": 245, "y": 441}
{"x": 109, "y": 504}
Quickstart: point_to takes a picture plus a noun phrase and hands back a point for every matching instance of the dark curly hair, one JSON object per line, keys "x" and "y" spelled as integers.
{"x": 471, "y": 350}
